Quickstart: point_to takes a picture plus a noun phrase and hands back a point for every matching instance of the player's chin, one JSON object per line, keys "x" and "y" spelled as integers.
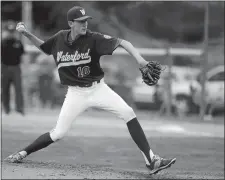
{"x": 83, "y": 31}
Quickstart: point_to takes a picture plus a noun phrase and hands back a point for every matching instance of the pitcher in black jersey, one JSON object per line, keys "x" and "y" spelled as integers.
{"x": 77, "y": 52}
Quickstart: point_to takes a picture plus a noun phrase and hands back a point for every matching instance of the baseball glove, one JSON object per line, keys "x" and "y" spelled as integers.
{"x": 151, "y": 73}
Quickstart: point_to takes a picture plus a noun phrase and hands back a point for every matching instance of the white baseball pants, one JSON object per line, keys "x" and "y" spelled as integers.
{"x": 78, "y": 99}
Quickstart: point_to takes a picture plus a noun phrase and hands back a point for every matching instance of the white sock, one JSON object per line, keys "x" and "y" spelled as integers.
{"x": 151, "y": 156}
{"x": 23, "y": 153}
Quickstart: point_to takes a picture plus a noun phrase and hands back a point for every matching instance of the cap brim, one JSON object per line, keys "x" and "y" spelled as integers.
{"x": 83, "y": 18}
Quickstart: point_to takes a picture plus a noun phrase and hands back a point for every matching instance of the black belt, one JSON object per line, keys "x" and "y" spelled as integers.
{"x": 89, "y": 84}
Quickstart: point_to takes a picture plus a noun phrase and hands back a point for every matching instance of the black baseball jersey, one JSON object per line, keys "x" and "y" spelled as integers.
{"x": 78, "y": 61}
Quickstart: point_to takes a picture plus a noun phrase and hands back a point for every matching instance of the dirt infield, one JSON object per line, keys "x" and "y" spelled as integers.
{"x": 97, "y": 150}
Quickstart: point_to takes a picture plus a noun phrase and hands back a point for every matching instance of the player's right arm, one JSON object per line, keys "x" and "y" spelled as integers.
{"x": 35, "y": 40}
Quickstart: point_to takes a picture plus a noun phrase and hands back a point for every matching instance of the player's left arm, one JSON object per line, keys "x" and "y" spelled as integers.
{"x": 133, "y": 52}
{"x": 105, "y": 45}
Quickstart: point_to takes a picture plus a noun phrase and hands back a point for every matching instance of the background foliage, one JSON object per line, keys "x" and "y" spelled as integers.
{"x": 173, "y": 21}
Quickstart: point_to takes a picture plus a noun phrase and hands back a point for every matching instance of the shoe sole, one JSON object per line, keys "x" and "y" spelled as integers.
{"x": 10, "y": 160}
{"x": 163, "y": 167}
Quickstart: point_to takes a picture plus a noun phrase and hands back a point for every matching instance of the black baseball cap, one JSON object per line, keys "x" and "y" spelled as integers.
{"x": 77, "y": 13}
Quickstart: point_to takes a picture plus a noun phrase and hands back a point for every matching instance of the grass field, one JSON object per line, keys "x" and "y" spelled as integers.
{"x": 97, "y": 147}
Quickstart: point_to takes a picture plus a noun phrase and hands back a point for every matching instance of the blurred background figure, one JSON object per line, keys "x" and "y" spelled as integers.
{"x": 45, "y": 80}
{"x": 31, "y": 85}
{"x": 11, "y": 52}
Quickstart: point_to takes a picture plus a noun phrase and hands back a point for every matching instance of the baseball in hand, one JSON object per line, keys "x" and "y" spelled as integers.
{"x": 20, "y": 27}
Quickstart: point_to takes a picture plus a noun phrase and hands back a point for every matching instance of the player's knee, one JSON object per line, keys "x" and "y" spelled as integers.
{"x": 57, "y": 134}
{"x": 128, "y": 114}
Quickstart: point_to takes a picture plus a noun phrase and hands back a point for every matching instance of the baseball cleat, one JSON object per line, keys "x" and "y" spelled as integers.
{"x": 159, "y": 164}
{"x": 15, "y": 158}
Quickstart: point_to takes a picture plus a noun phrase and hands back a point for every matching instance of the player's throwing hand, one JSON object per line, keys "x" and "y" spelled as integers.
{"x": 20, "y": 27}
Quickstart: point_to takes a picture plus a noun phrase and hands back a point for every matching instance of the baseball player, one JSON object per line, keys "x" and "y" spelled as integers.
{"x": 76, "y": 53}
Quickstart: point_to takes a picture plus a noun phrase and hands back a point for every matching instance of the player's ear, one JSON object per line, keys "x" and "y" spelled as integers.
{"x": 70, "y": 23}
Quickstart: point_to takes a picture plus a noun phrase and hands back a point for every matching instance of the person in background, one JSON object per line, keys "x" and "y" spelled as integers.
{"x": 32, "y": 87}
{"x": 11, "y": 53}
{"x": 45, "y": 80}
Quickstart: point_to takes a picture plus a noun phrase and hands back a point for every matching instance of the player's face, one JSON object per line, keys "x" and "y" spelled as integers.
{"x": 80, "y": 27}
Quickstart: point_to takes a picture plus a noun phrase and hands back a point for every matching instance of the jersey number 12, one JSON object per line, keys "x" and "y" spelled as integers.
{"x": 83, "y": 71}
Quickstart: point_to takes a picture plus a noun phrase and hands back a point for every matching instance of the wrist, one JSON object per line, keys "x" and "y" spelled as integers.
{"x": 25, "y": 33}
{"x": 143, "y": 63}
